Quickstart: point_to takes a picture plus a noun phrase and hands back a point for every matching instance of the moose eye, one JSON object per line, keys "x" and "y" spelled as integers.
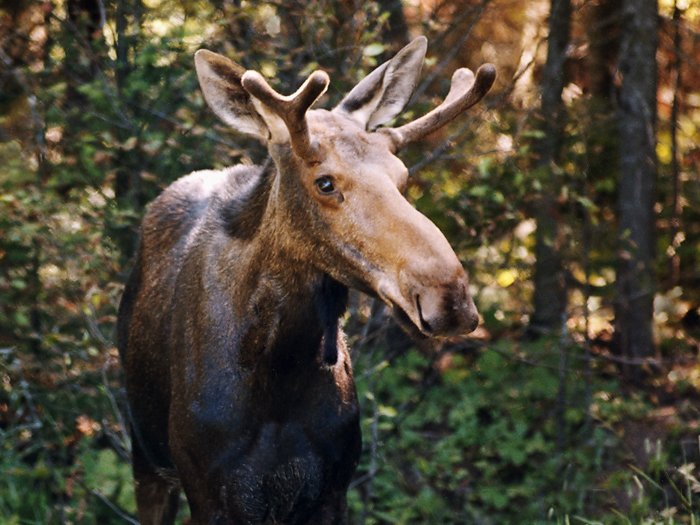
{"x": 325, "y": 185}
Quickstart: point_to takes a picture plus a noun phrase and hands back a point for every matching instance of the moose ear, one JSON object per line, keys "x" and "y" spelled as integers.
{"x": 220, "y": 79}
{"x": 383, "y": 94}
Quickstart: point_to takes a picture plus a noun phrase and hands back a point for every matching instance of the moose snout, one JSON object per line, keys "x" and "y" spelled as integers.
{"x": 446, "y": 308}
{"x": 425, "y": 284}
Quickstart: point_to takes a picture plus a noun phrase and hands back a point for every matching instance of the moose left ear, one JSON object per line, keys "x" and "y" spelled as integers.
{"x": 383, "y": 94}
{"x": 220, "y": 79}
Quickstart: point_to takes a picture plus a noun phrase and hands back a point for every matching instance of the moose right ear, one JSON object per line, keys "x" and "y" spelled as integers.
{"x": 220, "y": 79}
{"x": 384, "y": 93}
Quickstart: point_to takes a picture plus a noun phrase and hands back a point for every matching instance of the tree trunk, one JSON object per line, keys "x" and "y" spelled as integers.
{"x": 637, "y": 107}
{"x": 674, "y": 262}
{"x": 395, "y": 32}
{"x": 604, "y": 38}
{"x": 549, "y": 299}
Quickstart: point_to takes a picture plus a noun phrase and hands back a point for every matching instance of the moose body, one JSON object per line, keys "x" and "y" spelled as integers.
{"x": 238, "y": 379}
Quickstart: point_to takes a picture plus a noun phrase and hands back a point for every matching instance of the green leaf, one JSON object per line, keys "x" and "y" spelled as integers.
{"x": 373, "y": 50}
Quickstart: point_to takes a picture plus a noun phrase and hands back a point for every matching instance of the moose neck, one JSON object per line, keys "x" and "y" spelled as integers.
{"x": 292, "y": 307}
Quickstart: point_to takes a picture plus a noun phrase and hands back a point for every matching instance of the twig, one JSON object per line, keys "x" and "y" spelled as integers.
{"x": 112, "y": 506}
{"x": 125, "y": 442}
{"x": 455, "y": 49}
{"x": 95, "y": 332}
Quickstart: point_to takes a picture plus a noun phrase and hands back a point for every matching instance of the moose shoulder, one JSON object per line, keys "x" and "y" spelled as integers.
{"x": 239, "y": 383}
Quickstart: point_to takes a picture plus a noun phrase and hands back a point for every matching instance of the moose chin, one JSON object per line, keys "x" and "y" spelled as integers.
{"x": 239, "y": 383}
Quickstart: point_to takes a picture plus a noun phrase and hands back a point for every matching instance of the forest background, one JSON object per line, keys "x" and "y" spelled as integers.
{"x": 571, "y": 194}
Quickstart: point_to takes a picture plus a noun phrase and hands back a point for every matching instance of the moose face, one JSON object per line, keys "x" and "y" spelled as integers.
{"x": 372, "y": 239}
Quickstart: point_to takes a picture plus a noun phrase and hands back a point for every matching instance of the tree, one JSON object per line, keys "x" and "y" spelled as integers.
{"x": 604, "y": 36}
{"x": 637, "y": 120}
{"x": 549, "y": 297}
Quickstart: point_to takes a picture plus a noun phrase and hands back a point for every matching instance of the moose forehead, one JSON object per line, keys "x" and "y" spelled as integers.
{"x": 341, "y": 140}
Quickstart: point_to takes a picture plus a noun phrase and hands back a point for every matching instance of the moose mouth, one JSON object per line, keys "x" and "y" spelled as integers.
{"x": 408, "y": 325}
{"x": 407, "y": 312}
{"x": 416, "y": 326}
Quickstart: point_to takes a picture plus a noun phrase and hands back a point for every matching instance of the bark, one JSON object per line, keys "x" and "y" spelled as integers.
{"x": 396, "y": 30}
{"x": 549, "y": 299}
{"x": 604, "y": 37}
{"x": 637, "y": 109}
{"x": 602, "y": 136}
{"x": 676, "y": 202}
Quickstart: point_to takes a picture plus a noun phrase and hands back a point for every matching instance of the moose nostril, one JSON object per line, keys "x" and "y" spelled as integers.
{"x": 470, "y": 315}
{"x": 444, "y": 311}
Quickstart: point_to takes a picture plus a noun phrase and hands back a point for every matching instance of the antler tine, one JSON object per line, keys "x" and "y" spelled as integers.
{"x": 465, "y": 91}
{"x": 292, "y": 108}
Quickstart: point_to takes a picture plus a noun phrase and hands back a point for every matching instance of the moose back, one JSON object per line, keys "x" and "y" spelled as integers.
{"x": 239, "y": 383}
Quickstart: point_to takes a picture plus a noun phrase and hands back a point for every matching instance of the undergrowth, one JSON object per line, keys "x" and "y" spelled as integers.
{"x": 502, "y": 434}
{"x": 483, "y": 434}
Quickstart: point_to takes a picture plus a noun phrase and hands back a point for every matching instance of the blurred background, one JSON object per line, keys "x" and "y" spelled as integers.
{"x": 571, "y": 194}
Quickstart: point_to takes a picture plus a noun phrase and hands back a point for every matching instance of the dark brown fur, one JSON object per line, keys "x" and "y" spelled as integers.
{"x": 279, "y": 467}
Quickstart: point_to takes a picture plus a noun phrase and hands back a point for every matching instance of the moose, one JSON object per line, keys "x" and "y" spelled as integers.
{"x": 239, "y": 383}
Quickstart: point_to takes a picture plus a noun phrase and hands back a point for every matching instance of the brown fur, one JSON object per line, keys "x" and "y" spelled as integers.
{"x": 239, "y": 382}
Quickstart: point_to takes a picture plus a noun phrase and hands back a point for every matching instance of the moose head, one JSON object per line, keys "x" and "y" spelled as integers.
{"x": 340, "y": 183}
{"x": 238, "y": 379}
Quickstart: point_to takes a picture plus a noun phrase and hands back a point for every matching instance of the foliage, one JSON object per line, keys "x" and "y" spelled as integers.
{"x": 475, "y": 436}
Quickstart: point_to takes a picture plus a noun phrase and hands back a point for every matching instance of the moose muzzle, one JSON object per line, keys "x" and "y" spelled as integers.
{"x": 432, "y": 296}
{"x": 447, "y": 308}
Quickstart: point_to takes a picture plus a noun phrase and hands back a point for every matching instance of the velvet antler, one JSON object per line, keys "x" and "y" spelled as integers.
{"x": 291, "y": 109}
{"x": 466, "y": 90}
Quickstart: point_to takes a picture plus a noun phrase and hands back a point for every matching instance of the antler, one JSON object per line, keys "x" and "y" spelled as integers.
{"x": 291, "y": 109}
{"x": 464, "y": 93}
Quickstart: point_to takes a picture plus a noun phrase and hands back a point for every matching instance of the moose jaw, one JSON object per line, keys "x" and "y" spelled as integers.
{"x": 238, "y": 379}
